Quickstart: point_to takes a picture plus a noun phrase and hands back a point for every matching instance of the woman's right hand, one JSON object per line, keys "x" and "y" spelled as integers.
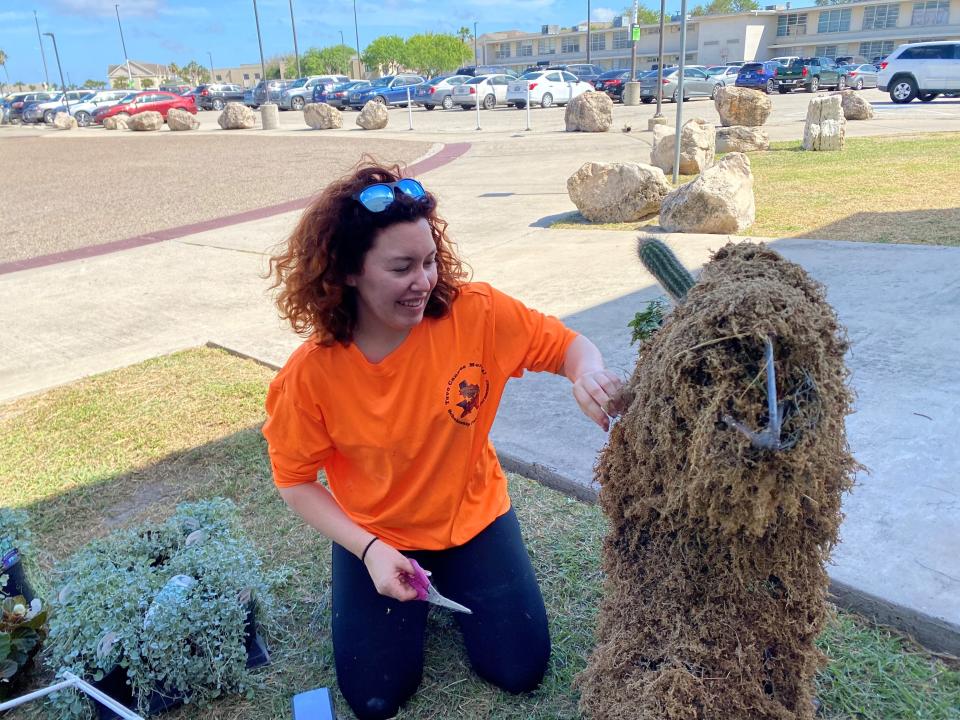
{"x": 388, "y": 569}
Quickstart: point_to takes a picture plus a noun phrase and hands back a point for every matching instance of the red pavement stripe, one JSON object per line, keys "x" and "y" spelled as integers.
{"x": 447, "y": 154}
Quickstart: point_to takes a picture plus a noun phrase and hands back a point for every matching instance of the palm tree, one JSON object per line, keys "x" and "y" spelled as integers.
{"x": 465, "y": 34}
{"x": 3, "y": 61}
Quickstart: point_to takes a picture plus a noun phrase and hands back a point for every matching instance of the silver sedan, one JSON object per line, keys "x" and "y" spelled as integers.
{"x": 860, "y": 76}
{"x": 696, "y": 83}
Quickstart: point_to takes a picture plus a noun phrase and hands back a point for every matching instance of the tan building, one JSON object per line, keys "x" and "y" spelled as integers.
{"x": 245, "y": 75}
{"x": 864, "y": 29}
{"x": 143, "y": 74}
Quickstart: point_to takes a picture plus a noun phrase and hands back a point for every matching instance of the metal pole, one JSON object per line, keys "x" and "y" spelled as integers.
{"x": 263, "y": 65}
{"x": 659, "y": 112}
{"x": 478, "y": 106}
{"x": 679, "y": 125}
{"x": 295, "y": 50}
{"x": 210, "y": 56}
{"x": 341, "y": 37}
{"x": 409, "y": 110}
{"x": 476, "y": 55}
{"x": 528, "y": 104}
{"x": 56, "y": 53}
{"x": 46, "y": 77}
{"x": 123, "y": 44}
{"x": 588, "y": 32}
{"x": 356, "y": 30}
{"x": 633, "y": 44}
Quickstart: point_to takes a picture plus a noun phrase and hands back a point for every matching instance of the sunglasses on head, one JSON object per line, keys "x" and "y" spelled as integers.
{"x": 378, "y": 197}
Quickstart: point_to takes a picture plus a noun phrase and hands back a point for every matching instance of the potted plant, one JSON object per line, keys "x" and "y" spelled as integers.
{"x": 14, "y": 545}
{"x": 22, "y": 630}
{"x": 162, "y": 615}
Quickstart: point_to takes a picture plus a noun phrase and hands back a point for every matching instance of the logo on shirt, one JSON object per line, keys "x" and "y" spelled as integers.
{"x": 466, "y": 392}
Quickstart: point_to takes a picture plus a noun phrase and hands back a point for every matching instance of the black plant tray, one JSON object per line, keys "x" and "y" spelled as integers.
{"x": 115, "y": 684}
{"x": 17, "y": 583}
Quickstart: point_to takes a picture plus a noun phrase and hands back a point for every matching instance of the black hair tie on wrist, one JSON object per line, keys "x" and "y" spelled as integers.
{"x": 363, "y": 556}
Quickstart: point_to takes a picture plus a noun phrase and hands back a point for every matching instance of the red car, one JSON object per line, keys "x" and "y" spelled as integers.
{"x": 144, "y": 101}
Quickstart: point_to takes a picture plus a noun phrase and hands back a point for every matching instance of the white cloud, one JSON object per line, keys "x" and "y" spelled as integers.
{"x": 603, "y": 14}
{"x": 106, "y": 7}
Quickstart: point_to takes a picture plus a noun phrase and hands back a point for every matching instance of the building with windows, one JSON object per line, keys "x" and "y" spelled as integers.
{"x": 866, "y": 30}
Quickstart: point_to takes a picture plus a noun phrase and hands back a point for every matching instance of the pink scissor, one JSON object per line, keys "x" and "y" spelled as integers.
{"x": 420, "y": 582}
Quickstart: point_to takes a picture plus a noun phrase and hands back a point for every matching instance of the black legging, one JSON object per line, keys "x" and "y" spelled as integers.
{"x": 378, "y": 641}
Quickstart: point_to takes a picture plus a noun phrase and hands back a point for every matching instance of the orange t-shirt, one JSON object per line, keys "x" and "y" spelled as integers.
{"x": 404, "y": 442}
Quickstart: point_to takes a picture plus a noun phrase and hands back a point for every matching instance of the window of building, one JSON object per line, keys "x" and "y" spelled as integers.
{"x": 711, "y": 42}
{"x": 256, "y": 76}
{"x": 733, "y": 41}
{"x": 830, "y": 51}
{"x": 547, "y": 47}
{"x": 931, "y": 12}
{"x": 598, "y": 41}
{"x": 525, "y": 48}
{"x": 570, "y": 45}
{"x": 246, "y": 76}
{"x": 503, "y": 51}
{"x": 219, "y": 78}
{"x": 831, "y": 21}
{"x": 878, "y": 17}
{"x": 792, "y": 24}
{"x": 876, "y": 47}
{"x": 621, "y": 39}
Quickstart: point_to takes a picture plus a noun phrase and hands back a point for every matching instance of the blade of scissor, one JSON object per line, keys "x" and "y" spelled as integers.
{"x": 438, "y": 599}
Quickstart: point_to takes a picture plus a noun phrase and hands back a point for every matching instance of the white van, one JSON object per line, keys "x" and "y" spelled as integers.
{"x": 921, "y": 70}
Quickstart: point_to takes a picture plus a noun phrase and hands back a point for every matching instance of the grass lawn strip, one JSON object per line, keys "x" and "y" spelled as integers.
{"x": 128, "y": 445}
{"x": 881, "y": 189}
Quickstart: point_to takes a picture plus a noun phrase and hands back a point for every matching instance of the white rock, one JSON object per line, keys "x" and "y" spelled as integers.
{"x": 374, "y": 116}
{"x": 698, "y": 147}
{"x": 321, "y": 116}
{"x": 145, "y": 121}
{"x": 178, "y": 119}
{"x": 855, "y": 106}
{"x": 64, "y": 121}
{"x": 719, "y": 201}
{"x": 826, "y": 125}
{"x": 742, "y": 106}
{"x": 739, "y": 138}
{"x": 589, "y": 112}
{"x": 115, "y": 122}
{"x": 617, "y": 192}
{"x": 237, "y": 116}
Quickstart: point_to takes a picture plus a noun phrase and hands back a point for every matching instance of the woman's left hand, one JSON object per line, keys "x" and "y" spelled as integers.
{"x": 595, "y": 392}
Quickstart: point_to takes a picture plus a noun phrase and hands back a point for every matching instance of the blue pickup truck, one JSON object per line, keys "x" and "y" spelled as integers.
{"x": 388, "y": 90}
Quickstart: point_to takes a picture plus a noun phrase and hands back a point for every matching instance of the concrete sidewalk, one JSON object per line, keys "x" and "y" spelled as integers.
{"x": 901, "y": 304}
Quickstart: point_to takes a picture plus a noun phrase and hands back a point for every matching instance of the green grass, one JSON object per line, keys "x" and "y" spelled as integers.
{"x": 879, "y": 189}
{"x": 128, "y": 445}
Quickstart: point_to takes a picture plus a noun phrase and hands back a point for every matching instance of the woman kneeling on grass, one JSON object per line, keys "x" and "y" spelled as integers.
{"x": 394, "y": 394}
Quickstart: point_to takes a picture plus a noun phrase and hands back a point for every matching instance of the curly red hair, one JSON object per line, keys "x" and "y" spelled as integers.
{"x": 330, "y": 243}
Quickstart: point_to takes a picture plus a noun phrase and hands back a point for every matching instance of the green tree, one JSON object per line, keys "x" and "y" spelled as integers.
{"x": 147, "y": 83}
{"x": 386, "y": 53}
{"x": 334, "y": 60}
{"x": 431, "y": 54}
{"x": 725, "y": 7}
{"x": 464, "y": 34}
{"x": 645, "y": 16}
{"x": 94, "y": 84}
{"x": 289, "y": 63}
{"x": 119, "y": 83}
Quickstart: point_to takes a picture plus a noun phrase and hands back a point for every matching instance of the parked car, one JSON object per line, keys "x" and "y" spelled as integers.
{"x": 301, "y": 90}
{"x": 760, "y": 76}
{"x": 83, "y": 110}
{"x": 7, "y": 103}
{"x": 388, "y": 90}
{"x": 248, "y": 98}
{"x": 921, "y": 70}
{"x": 490, "y": 90}
{"x": 785, "y": 59}
{"x": 326, "y": 85}
{"x": 438, "y": 91}
{"x": 612, "y": 82}
{"x": 153, "y": 100}
{"x": 696, "y": 83}
{"x": 175, "y": 88}
{"x": 45, "y": 110}
{"x": 724, "y": 74}
{"x": 583, "y": 71}
{"x": 269, "y": 91}
{"x": 338, "y": 95}
{"x": 18, "y": 106}
{"x": 216, "y": 96}
{"x": 811, "y": 74}
{"x": 860, "y": 76}
{"x": 474, "y": 70}
{"x": 546, "y": 87}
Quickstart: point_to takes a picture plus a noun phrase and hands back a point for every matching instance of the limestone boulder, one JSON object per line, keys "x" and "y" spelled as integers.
{"x": 855, "y": 106}
{"x": 374, "y": 116}
{"x": 589, "y": 112}
{"x": 148, "y": 121}
{"x": 115, "y": 122}
{"x": 237, "y": 116}
{"x": 178, "y": 119}
{"x": 826, "y": 125}
{"x": 698, "y": 147}
{"x": 719, "y": 201}
{"x": 64, "y": 121}
{"x": 739, "y": 138}
{"x": 742, "y": 106}
{"x": 617, "y": 192}
{"x": 321, "y": 116}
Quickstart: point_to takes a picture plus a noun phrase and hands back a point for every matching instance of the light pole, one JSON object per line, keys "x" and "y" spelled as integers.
{"x": 56, "y": 53}
{"x": 476, "y": 55}
{"x": 659, "y": 112}
{"x": 341, "y": 37}
{"x": 588, "y": 32}
{"x": 679, "y": 90}
{"x": 263, "y": 65}
{"x": 356, "y": 30}
{"x": 123, "y": 44}
{"x": 210, "y": 57}
{"x": 46, "y": 77}
{"x": 296, "y": 52}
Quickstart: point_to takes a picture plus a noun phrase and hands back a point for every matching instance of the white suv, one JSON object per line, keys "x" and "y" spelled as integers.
{"x": 921, "y": 70}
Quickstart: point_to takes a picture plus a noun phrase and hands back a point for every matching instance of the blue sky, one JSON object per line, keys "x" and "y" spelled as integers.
{"x": 165, "y": 31}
